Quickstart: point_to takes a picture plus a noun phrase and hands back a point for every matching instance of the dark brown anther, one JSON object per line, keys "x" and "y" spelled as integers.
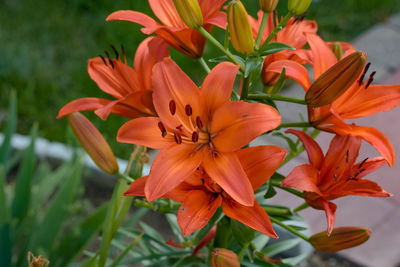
{"x": 178, "y": 138}
{"x": 111, "y": 62}
{"x": 199, "y": 123}
{"x": 370, "y": 79}
{"x": 347, "y": 156}
{"x": 359, "y": 172}
{"x": 179, "y": 127}
{"x": 115, "y": 51}
{"x": 195, "y": 137}
{"x": 188, "y": 110}
{"x": 362, "y": 163}
{"x": 123, "y": 52}
{"x": 363, "y": 74}
{"x": 351, "y": 178}
{"x": 172, "y": 107}
{"x": 107, "y": 54}
{"x": 162, "y": 129}
{"x": 202, "y": 181}
{"x": 104, "y": 61}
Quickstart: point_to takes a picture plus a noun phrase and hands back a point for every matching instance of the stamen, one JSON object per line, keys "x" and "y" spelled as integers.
{"x": 360, "y": 81}
{"x": 362, "y": 163}
{"x": 195, "y": 137}
{"x": 359, "y": 172}
{"x": 347, "y": 156}
{"x": 179, "y": 127}
{"x": 199, "y": 123}
{"x": 107, "y": 54}
{"x": 172, "y": 107}
{"x": 162, "y": 129}
{"x": 351, "y": 178}
{"x": 104, "y": 61}
{"x": 188, "y": 110}
{"x": 123, "y": 52}
{"x": 370, "y": 79}
{"x": 178, "y": 138}
{"x": 115, "y": 51}
{"x": 111, "y": 62}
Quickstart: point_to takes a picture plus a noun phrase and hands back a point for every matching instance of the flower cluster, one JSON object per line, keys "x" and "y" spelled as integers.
{"x": 203, "y": 133}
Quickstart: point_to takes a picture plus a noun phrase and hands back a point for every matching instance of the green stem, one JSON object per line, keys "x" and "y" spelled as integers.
{"x": 279, "y": 27}
{"x": 278, "y": 98}
{"x": 126, "y": 178}
{"x": 276, "y": 211}
{"x": 215, "y": 42}
{"x": 261, "y": 30}
{"x": 203, "y": 63}
{"x": 287, "y": 189}
{"x": 294, "y": 124}
{"x": 289, "y": 228}
{"x": 301, "y": 207}
{"x": 243, "y": 251}
{"x": 218, "y": 215}
{"x": 245, "y": 88}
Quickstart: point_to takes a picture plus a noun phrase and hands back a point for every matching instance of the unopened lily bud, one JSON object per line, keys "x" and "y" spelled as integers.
{"x": 336, "y": 80}
{"x": 93, "y": 142}
{"x": 337, "y": 50}
{"x": 268, "y": 5}
{"x": 298, "y": 7}
{"x": 190, "y": 12}
{"x": 240, "y": 28}
{"x": 340, "y": 238}
{"x": 222, "y": 257}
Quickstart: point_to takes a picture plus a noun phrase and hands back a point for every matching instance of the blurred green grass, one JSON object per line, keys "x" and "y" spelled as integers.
{"x": 45, "y": 46}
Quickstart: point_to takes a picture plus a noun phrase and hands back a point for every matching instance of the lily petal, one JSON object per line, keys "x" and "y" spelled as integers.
{"x": 293, "y": 70}
{"x": 376, "y": 138}
{"x": 149, "y": 52}
{"x": 217, "y": 86}
{"x": 171, "y": 167}
{"x": 361, "y": 187}
{"x": 304, "y": 177}
{"x": 170, "y": 83}
{"x": 368, "y": 166}
{"x": 226, "y": 170}
{"x": 237, "y": 123}
{"x": 330, "y": 209}
{"x": 254, "y": 217}
{"x": 197, "y": 209}
{"x": 136, "y": 188}
{"x": 260, "y": 162}
{"x": 323, "y": 56}
{"x": 374, "y": 99}
{"x": 143, "y": 131}
{"x": 82, "y": 104}
{"x": 166, "y": 12}
{"x": 136, "y": 17}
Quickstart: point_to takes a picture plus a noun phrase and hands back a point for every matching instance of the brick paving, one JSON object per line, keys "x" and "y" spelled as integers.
{"x": 382, "y": 45}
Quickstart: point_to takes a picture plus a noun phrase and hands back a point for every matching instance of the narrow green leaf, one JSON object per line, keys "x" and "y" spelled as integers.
{"x": 282, "y": 246}
{"x": 5, "y": 148}
{"x": 5, "y": 240}
{"x": 173, "y": 223}
{"x": 22, "y": 195}
{"x": 123, "y": 254}
{"x": 294, "y": 261}
{"x": 290, "y": 142}
{"x": 4, "y": 216}
{"x": 280, "y": 83}
{"x": 272, "y": 48}
{"x": 76, "y": 239}
{"x": 157, "y": 257}
{"x": 57, "y": 213}
{"x": 271, "y": 192}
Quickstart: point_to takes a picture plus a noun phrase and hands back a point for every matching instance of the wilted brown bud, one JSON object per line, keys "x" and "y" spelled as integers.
{"x": 337, "y": 50}
{"x": 340, "y": 238}
{"x": 190, "y": 12}
{"x": 222, "y": 257}
{"x": 268, "y": 5}
{"x": 298, "y": 7}
{"x": 240, "y": 28}
{"x": 39, "y": 261}
{"x": 93, "y": 142}
{"x": 336, "y": 80}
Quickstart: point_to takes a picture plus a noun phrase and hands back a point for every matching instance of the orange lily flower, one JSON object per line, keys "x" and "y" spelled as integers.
{"x": 334, "y": 175}
{"x": 130, "y": 86}
{"x": 172, "y": 29}
{"x": 201, "y": 195}
{"x": 198, "y": 127}
{"x": 292, "y": 34}
{"x": 359, "y": 100}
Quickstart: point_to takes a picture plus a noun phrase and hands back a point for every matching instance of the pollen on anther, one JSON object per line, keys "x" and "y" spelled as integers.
{"x": 111, "y": 63}
{"x": 115, "y": 51}
{"x": 370, "y": 79}
{"x": 188, "y": 110}
{"x": 172, "y": 107}
{"x": 178, "y": 138}
{"x": 195, "y": 137}
{"x": 162, "y": 129}
{"x": 199, "y": 123}
{"x": 102, "y": 58}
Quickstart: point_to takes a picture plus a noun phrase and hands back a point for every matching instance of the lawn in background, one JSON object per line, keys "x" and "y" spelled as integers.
{"x": 45, "y": 46}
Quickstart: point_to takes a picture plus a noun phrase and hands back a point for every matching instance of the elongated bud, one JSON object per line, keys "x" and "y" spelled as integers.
{"x": 93, "y": 142}
{"x": 340, "y": 238}
{"x": 239, "y": 28}
{"x": 222, "y": 257}
{"x": 298, "y": 7}
{"x": 190, "y": 12}
{"x": 336, "y": 80}
{"x": 337, "y": 50}
{"x": 268, "y": 5}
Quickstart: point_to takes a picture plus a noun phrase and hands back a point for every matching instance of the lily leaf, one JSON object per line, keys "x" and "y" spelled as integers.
{"x": 273, "y": 47}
